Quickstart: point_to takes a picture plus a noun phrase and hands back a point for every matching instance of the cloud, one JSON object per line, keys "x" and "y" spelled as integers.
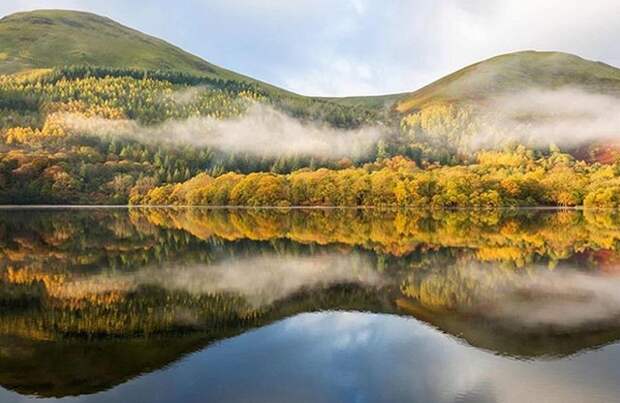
{"x": 261, "y": 131}
{"x": 360, "y": 47}
{"x": 366, "y": 357}
{"x": 405, "y": 45}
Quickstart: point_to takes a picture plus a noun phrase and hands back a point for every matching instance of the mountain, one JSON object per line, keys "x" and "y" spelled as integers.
{"x": 514, "y": 72}
{"x": 79, "y": 75}
{"x": 55, "y": 38}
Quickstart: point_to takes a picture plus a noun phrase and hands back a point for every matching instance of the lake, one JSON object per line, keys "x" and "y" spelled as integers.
{"x": 309, "y": 305}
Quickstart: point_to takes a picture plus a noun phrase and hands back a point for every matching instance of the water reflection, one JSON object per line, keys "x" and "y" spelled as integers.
{"x": 92, "y": 298}
{"x": 343, "y": 357}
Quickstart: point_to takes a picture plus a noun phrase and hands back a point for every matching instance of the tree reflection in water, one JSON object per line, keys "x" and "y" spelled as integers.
{"x": 94, "y": 297}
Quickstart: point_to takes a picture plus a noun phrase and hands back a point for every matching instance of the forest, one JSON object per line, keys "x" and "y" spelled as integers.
{"x": 496, "y": 179}
{"x": 136, "y": 286}
{"x": 43, "y": 161}
{"x": 421, "y": 159}
{"x": 77, "y": 273}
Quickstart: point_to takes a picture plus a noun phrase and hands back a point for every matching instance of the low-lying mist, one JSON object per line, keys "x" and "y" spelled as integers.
{"x": 566, "y": 117}
{"x": 262, "y": 131}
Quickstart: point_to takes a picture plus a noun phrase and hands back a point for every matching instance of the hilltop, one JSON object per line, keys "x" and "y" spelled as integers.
{"x": 56, "y": 38}
{"x": 95, "y": 112}
{"x": 515, "y": 72}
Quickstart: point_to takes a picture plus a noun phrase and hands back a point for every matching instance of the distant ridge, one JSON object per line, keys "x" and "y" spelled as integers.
{"x": 54, "y": 38}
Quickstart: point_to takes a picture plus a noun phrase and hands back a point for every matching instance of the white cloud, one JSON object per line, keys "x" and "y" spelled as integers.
{"x": 342, "y": 356}
{"x": 381, "y": 47}
{"x": 356, "y": 47}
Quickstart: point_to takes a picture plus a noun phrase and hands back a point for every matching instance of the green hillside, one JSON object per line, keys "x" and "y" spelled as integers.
{"x": 514, "y": 72}
{"x": 504, "y": 73}
{"x": 54, "y": 38}
{"x": 70, "y": 64}
{"x": 86, "y": 101}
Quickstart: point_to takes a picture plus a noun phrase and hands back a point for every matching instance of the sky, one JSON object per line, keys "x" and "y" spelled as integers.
{"x": 360, "y": 47}
{"x": 360, "y": 357}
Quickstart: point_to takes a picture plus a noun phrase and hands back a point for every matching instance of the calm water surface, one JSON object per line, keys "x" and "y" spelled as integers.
{"x": 194, "y": 305}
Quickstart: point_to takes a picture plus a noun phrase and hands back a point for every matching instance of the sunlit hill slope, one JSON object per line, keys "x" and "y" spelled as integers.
{"x": 53, "y": 38}
{"x": 514, "y": 72}
{"x": 56, "y": 66}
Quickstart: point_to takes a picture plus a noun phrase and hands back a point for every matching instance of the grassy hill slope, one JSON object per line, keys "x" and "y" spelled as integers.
{"x": 514, "y": 72}
{"x": 53, "y": 38}
{"x": 72, "y": 67}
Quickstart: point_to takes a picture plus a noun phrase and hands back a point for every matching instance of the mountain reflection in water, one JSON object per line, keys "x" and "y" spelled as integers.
{"x": 92, "y": 298}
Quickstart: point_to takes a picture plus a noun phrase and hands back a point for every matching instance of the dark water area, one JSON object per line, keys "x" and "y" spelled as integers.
{"x": 317, "y": 305}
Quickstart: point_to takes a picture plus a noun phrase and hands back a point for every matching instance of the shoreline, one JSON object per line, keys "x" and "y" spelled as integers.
{"x": 224, "y": 207}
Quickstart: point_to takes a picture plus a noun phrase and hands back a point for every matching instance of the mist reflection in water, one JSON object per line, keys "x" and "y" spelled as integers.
{"x": 508, "y": 305}
{"x": 260, "y": 279}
